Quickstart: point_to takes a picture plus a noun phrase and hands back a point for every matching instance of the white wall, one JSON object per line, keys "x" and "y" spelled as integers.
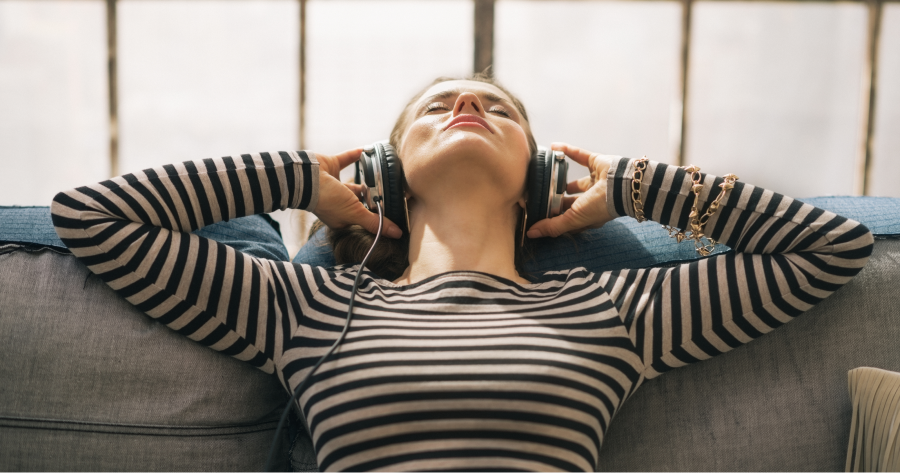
{"x": 885, "y": 171}
{"x": 367, "y": 59}
{"x": 53, "y": 98}
{"x": 599, "y": 75}
{"x": 774, "y": 93}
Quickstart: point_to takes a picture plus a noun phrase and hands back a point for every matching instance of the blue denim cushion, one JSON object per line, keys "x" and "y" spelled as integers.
{"x": 256, "y": 235}
{"x": 624, "y": 243}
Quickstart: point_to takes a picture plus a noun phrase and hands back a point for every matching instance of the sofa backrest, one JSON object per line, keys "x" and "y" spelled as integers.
{"x": 91, "y": 383}
{"x": 779, "y": 403}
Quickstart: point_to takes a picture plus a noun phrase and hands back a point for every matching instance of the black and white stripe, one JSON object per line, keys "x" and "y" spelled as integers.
{"x": 463, "y": 370}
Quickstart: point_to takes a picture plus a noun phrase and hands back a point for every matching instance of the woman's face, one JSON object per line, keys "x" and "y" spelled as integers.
{"x": 465, "y": 133}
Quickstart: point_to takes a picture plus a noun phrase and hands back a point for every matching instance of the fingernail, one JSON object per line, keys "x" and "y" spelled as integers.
{"x": 533, "y": 233}
{"x": 394, "y": 232}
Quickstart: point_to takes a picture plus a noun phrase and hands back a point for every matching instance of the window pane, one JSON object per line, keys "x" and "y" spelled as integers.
{"x": 206, "y": 78}
{"x": 53, "y": 106}
{"x": 885, "y": 172}
{"x": 599, "y": 75}
{"x": 774, "y": 93}
{"x": 366, "y": 59}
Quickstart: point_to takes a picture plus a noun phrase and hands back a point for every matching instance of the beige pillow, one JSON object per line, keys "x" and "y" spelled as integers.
{"x": 874, "y": 443}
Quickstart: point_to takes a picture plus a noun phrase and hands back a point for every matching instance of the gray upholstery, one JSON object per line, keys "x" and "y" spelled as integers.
{"x": 90, "y": 383}
{"x": 779, "y": 403}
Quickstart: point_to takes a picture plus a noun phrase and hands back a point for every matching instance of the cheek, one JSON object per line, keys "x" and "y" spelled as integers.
{"x": 417, "y": 143}
{"x": 414, "y": 148}
{"x": 521, "y": 153}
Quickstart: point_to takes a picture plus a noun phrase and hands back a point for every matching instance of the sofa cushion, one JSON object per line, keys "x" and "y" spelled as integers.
{"x": 625, "y": 243}
{"x": 779, "y": 403}
{"x": 91, "y": 383}
{"x": 257, "y": 235}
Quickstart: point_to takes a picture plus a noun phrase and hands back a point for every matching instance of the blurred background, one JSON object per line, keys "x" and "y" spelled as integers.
{"x": 802, "y": 97}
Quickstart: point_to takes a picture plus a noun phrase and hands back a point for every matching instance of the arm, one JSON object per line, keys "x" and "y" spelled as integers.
{"x": 787, "y": 257}
{"x": 132, "y": 231}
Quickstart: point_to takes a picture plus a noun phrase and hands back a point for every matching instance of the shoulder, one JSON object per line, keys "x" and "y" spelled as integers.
{"x": 315, "y": 277}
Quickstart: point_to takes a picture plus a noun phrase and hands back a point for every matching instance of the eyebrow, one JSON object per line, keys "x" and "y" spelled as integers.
{"x": 487, "y": 95}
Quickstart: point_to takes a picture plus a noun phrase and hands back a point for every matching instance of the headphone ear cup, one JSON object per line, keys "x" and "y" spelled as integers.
{"x": 538, "y": 186}
{"x": 394, "y": 182}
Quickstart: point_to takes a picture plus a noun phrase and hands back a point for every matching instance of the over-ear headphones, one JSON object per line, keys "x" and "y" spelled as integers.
{"x": 380, "y": 173}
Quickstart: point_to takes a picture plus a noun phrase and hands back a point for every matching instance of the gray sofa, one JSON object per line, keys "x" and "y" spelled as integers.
{"x": 89, "y": 383}
{"x": 779, "y": 403}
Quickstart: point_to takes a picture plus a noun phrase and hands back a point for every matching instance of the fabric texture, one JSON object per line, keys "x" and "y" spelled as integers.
{"x": 874, "y": 440}
{"x": 779, "y": 403}
{"x": 461, "y": 370}
{"x": 28, "y": 225}
{"x": 256, "y": 235}
{"x": 625, "y": 243}
{"x": 90, "y": 383}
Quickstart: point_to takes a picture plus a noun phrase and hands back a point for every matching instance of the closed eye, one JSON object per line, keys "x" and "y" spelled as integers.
{"x": 436, "y": 106}
{"x": 499, "y": 110}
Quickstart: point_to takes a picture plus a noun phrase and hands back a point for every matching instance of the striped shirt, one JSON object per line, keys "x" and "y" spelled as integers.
{"x": 463, "y": 370}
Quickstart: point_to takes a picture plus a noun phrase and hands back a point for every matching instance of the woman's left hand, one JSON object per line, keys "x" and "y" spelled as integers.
{"x": 584, "y": 211}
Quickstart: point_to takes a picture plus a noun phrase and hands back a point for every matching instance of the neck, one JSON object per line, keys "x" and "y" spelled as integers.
{"x": 461, "y": 234}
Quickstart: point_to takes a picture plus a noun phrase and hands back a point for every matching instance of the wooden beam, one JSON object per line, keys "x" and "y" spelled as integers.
{"x": 680, "y": 110}
{"x": 112, "y": 87}
{"x": 862, "y": 178}
{"x": 301, "y": 121}
{"x": 300, "y": 219}
{"x": 484, "y": 36}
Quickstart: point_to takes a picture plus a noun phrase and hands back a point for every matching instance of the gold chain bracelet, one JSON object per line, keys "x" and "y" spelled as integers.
{"x": 639, "y": 166}
{"x": 702, "y": 243}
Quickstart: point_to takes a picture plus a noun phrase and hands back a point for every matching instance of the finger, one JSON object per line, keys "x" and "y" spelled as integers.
{"x": 355, "y": 188}
{"x": 567, "y": 202}
{"x": 554, "y": 227}
{"x": 369, "y": 220}
{"x": 578, "y": 155}
{"x": 348, "y": 157}
{"x": 579, "y": 185}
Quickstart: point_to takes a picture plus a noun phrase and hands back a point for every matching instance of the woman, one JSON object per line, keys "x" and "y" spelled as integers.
{"x": 460, "y": 363}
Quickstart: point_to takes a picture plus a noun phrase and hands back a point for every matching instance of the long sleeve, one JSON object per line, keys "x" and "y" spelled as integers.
{"x": 787, "y": 257}
{"x": 133, "y": 232}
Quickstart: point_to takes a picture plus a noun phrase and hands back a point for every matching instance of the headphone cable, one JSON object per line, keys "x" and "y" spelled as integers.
{"x": 362, "y": 266}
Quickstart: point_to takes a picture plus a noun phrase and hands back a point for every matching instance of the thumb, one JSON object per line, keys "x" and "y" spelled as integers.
{"x": 369, "y": 220}
{"x": 556, "y": 226}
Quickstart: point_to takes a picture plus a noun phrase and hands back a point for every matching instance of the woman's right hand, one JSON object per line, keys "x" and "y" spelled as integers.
{"x": 586, "y": 210}
{"x": 338, "y": 204}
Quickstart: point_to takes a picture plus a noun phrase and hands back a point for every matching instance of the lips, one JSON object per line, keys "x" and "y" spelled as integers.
{"x": 468, "y": 120}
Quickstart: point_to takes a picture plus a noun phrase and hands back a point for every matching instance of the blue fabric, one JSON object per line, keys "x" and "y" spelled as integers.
{"x": 316, "y": 251}
{"x": 624, "y": 243}
{"x": 256, "y": 235}
{"x": 28, "y": 225}
{"x": 880, "y": 214}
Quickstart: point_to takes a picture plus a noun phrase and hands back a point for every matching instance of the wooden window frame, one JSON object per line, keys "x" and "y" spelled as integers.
{"x": 484, "y": 59}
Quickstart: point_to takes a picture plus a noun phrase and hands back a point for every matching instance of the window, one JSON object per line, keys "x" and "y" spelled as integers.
{"x": 776, "y": 92}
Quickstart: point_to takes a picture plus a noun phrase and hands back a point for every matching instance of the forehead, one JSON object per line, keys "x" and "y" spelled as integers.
{"x": 477, "y": 88}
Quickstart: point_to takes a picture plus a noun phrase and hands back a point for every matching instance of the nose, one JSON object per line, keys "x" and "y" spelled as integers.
{"x": 467, "y": 102}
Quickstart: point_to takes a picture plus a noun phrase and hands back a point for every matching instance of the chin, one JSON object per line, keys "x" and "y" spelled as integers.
{"x": 466, "y": 161}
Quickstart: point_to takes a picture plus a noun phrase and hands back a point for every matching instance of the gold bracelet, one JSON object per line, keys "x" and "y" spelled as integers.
{"x": 702, "y": 243}
{"x": 639, "y": 166}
